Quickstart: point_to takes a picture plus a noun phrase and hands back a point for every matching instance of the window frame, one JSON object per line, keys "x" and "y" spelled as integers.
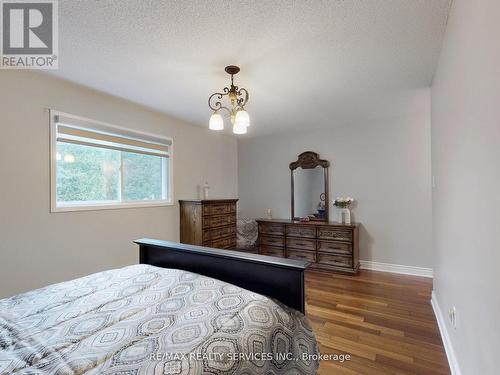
{"x": 84, "y": 206}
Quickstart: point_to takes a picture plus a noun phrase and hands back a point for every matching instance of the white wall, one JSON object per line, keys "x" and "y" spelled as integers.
{"x": 384, "y": 163}
{"x": 466, "y": 165}
{"x": 38, "y": 247}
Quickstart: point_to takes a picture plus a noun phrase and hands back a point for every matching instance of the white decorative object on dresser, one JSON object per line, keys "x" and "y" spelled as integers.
{"x": 343, "y": 206}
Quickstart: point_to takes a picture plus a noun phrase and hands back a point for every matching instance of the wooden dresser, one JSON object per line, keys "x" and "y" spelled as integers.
{"x": 209, "y": 222}
{"x": 329, "y": 246}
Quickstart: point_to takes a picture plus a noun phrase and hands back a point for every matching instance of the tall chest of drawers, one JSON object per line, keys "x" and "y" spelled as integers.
{"x": 328, "y": 246}
{"x": 208, "y": 222}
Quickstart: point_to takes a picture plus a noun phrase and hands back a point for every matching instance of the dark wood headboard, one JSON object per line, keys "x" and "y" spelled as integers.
{"x": 278, "y": 278}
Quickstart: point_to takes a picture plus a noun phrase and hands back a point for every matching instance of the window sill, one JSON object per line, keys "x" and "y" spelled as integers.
{"x": 110, "y": 206}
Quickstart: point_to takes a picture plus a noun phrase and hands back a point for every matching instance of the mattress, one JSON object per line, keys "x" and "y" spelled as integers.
{"x": 143, "y": 319}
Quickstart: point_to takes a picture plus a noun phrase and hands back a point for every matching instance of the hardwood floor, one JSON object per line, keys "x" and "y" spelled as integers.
{"x": 384, "y": 321}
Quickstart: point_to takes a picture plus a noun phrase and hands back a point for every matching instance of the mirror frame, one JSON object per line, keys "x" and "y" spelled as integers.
{"x": 309, "y": 160}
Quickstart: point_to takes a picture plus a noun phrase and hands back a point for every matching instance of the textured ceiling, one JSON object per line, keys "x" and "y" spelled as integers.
{"x": 305, "y": 63}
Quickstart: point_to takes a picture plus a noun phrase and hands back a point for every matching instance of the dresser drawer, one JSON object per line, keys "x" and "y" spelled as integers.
{"x": 272, "y": 241}
{"x": 335, "y": 247}
{"x": 219, "y": 208}
{"x": 301, "y": 243}
{"x": 334, "y": 260}
{"x": 301, "y": 231}
{"x": 218, "y": 232}
{"x": 272, "y": 229}
{"x": 224, "y": 243}
{"x": 273, "y": 251}
{"x": 301, "y": 255}
{"x": 218, "y": 221}
{"x": 340, "y": 234}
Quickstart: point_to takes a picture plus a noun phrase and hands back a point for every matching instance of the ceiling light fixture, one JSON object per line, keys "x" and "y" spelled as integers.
{"x": 238, "y": 97}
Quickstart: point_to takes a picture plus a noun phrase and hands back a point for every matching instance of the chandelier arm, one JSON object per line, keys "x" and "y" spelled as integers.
{"x": 244, "y": 93}
{"x": 217, "y": 104}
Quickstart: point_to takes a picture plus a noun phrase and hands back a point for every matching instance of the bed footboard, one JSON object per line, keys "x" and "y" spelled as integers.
{"x": 278, "y": 278}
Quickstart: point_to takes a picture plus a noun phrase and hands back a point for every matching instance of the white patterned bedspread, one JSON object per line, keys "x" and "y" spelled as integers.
{"x": 148, "y": 320}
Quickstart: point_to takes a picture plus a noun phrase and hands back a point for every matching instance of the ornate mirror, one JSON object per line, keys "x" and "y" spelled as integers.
{"x": 309, "y": 176}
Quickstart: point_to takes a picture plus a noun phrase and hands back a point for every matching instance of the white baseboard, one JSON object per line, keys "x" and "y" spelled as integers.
{"x": 450, "y": 353}
{"x": 396, "y": 268}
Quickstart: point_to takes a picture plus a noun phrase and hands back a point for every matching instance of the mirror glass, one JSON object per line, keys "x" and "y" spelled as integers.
{"x": 309, "y": 192}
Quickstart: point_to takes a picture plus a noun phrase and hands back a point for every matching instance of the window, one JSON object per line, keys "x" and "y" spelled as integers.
{"x": 97, "y": 166}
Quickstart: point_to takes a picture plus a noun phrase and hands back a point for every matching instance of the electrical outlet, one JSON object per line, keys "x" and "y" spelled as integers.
{"x": 452, "y": 314}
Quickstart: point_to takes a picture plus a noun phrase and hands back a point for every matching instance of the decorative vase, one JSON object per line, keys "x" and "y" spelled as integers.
{"x": 344, "y": 215}
{"x": 206, "y": 189}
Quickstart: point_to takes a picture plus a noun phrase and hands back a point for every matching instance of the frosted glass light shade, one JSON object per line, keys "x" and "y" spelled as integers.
{"x": 216, "y": 122}
{"x": 239, "y": 129}
{"x": 242, "y": 118}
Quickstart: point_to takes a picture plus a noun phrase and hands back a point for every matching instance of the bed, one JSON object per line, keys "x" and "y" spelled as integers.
{"x": 183, "y": 310}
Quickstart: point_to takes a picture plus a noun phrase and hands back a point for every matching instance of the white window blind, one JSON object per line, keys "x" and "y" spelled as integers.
{"x": 73, "y": 130}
